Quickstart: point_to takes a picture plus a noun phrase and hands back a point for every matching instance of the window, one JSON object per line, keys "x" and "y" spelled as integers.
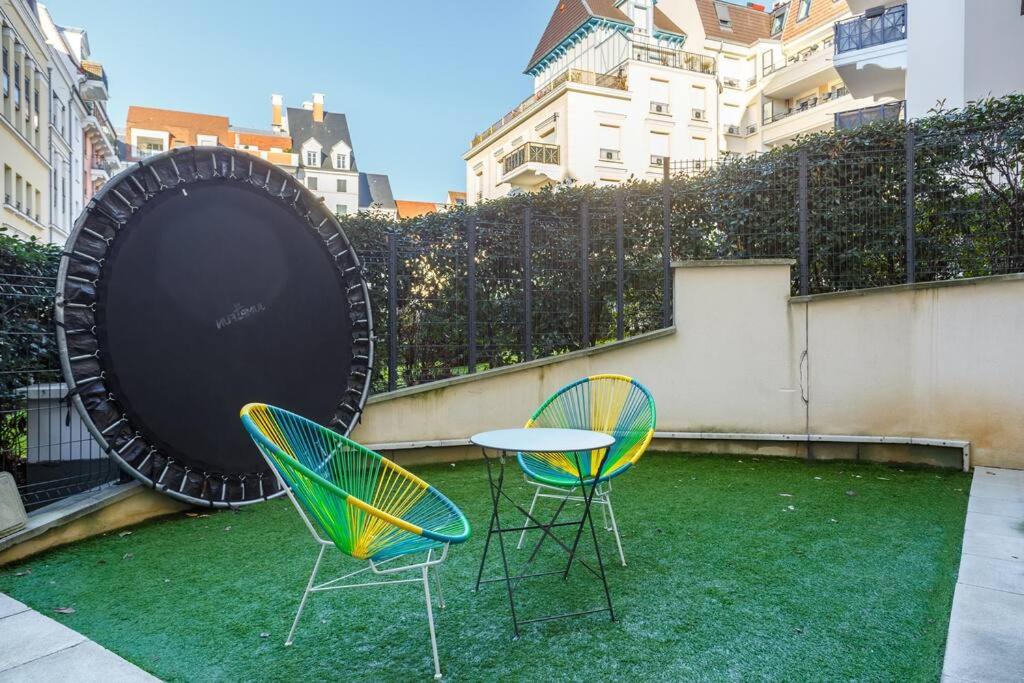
{"x": 206, "y": 140}
{"x": 698, "y": 148}
{"x": 341, "y": 161}
{"x": 779, "y": 20}
{"x": 340, "y": 210}
{"x": 804, "y": 10}
{"x": 7, "y": 80}
{"x": 610, "y": 142}
{"x": 17, "y": 85}
{"x": 312, "y": 158}
{"x": 722, "y": 11}
{"x": 311, "y": 183}
{"x": 659, "y": 96}
{"x": 659, "y": 148}
{"x": 640, "y": 16}
{"x": 342, "y": 185}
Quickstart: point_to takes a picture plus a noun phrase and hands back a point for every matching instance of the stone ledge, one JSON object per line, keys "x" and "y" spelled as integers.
{"x": 735, "y": 263}
{"x": 939, "y": 284}
{"x": 86, "y": 514}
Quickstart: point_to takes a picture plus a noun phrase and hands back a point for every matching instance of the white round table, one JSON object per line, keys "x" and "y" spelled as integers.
{"x": 541, "y": 440}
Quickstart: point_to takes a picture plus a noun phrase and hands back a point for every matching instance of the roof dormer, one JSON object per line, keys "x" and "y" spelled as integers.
{"x": 311, "y": 153}
{"x": 341, "y": 156}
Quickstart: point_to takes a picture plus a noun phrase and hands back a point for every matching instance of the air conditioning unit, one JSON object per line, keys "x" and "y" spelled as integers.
{"x": 610, "y": 155}
{"x": 699, "y": 115}
{"x": 732, "y": 130}
{"x": 657, "y": 160}
{"x": 751, "y": 129}
{"x": 659, "y": 108}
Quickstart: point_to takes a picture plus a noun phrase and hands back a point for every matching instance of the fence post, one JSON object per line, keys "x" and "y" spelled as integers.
{"x": 585, "y": 271}
{"x": 911, "y": 191}
{"x": 619, "y": 264}
{"x": 666, "y": 246}
{"x": 527, "y": 286}
{"x": 805, "y": 279}
{"x": 392, "y": 311}
{"x": 471, "y": 292}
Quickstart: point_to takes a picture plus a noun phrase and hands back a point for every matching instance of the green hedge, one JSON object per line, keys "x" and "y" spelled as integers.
{"x": 28, "y": 350}
{"x": 968, "y": 221}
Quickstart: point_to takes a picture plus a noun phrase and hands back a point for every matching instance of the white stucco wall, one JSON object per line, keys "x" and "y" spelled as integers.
{"x": 928, "y": 361}
{"x": 935, "y": 54}
{"x": 994, "y": 42}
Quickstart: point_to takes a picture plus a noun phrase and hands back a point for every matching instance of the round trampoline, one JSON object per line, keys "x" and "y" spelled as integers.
{"x": 194, "y": 283}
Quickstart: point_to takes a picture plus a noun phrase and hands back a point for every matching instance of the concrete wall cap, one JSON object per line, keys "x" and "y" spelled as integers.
{"x": 735, "y": 263}
{"x": 938, "y": 284}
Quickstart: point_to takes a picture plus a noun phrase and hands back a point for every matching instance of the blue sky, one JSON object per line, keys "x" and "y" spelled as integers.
{"x": 417, "y": 78}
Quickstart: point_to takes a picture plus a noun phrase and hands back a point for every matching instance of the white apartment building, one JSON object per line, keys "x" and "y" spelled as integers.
{"x": 83, "y": 145}
{"x": 621, "y": 84}
{"x": 24, "y": 111}
{"x": 928, "y": 52}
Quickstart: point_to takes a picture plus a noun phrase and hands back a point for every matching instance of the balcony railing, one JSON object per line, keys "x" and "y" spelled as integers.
{"x": 677, "y": 59}
{"x": 530, "y": 152}
{"x": 871, "y": 28}
{"x": 806, "y": 105}
{"x": 845, "y": 120}
{"x": 615, "y": 80}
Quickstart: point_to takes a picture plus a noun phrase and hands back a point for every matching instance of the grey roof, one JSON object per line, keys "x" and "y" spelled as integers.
{"x": 375, "y": 191}
{"x": 334, "y": 129}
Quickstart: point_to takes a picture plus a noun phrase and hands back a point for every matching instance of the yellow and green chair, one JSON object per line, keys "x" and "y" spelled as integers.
{"x": 358, "y": 502}
{"x": 614, "y": 404}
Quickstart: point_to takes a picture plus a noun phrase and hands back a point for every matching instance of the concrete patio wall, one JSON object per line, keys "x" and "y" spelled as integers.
{"x": 936, "y": 360}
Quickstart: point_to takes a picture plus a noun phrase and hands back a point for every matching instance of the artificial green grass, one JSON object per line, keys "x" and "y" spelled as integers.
{"x": 848, "y": 577}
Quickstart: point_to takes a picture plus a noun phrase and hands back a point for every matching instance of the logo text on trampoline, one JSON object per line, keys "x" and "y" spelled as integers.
{"x": 239, "y": 314}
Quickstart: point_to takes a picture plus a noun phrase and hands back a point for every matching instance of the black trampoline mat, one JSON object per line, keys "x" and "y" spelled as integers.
{"x": 213, "y": 296}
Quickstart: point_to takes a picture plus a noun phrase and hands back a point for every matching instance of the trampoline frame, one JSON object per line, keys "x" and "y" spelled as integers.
{"x": 107, "y": 212}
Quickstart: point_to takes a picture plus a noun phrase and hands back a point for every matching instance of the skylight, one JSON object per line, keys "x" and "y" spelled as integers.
{"x": 723, "y": 15}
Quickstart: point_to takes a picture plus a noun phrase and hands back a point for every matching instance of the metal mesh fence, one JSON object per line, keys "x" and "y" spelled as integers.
{"x": 43, "y": 444}
{"x": 546, "y": 274}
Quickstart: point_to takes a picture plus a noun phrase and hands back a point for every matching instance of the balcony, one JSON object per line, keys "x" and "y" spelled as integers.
{"x": 871, "y": 51}
{"x": 802, "y": 71}
{"x": 815, "y": 114}
{"x": 531, "y": 164}
{"x": 615, "y": 81}
{"x": 676, "y": 59}
{"x": 855, "y": 118}
{"x": 94, "y": 87}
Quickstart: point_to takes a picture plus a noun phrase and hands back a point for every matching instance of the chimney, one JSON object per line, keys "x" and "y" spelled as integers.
{"x": 318, "y": 107}
{"x": 276, "y": 103}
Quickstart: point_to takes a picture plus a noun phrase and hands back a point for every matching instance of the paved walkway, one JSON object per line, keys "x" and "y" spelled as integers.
{"x": 986, "y": 628}
{"x": 36, "y": 648}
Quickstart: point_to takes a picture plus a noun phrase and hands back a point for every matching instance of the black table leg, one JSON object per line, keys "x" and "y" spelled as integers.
{"x": 588, "y": 519}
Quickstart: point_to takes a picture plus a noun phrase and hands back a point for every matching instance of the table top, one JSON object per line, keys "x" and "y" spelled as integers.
{"x": 543, "y": 440}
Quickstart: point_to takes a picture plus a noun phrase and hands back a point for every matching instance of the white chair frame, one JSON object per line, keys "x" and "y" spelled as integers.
{"x": 602, "y": 498}
{"x": 431, "y": 565}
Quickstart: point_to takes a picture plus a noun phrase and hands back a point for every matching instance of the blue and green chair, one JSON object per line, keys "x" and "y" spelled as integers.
{"x": 359, "y": 502}
{"x": 614, "y": 404}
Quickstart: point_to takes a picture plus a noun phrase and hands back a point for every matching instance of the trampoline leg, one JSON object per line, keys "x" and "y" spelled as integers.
{"x": 536, "y": 494}
{"x": 430, "y": 620}
{"x": 305, "y": 595}
{"x": 615, "y": 527}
